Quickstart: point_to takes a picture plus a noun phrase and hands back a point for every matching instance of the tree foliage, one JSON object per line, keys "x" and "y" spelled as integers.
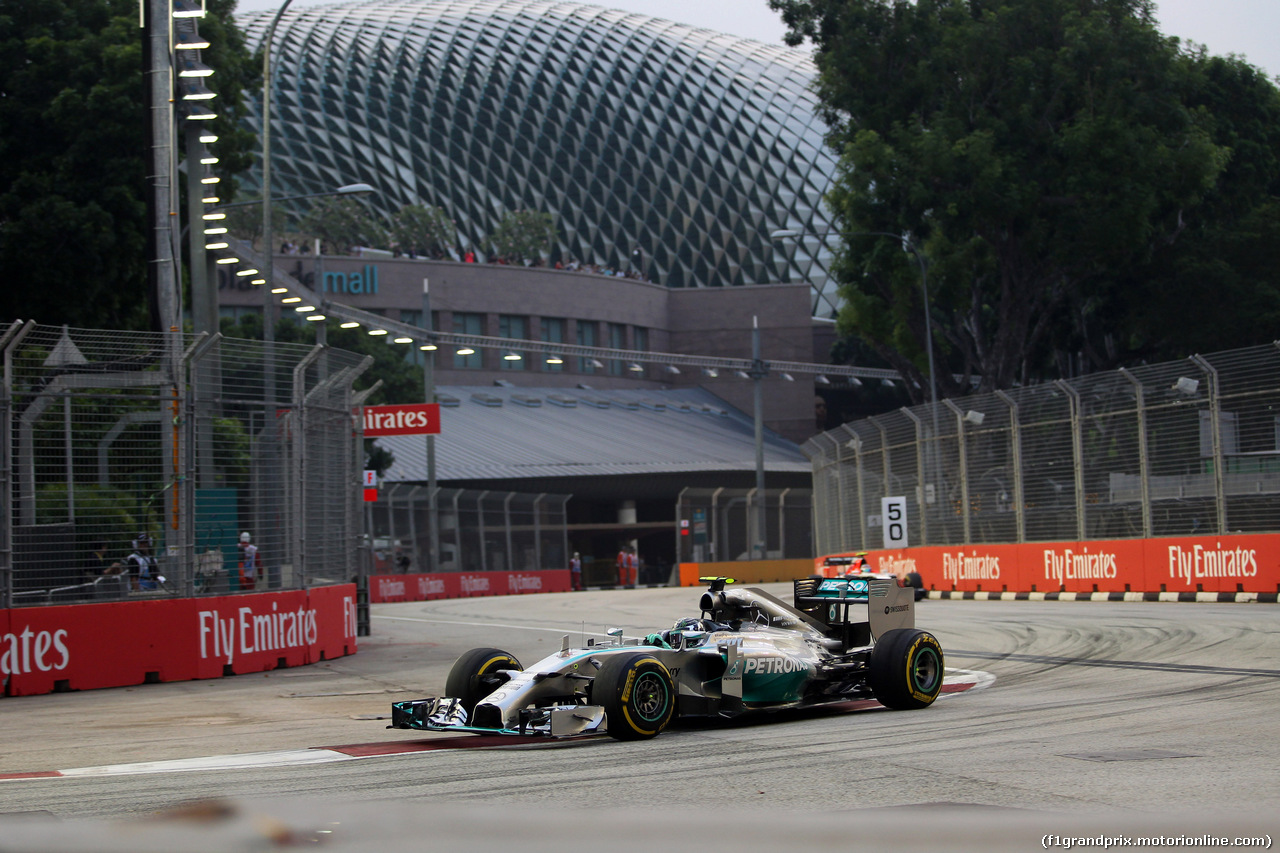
{"x": 343, "y": 223}
{"x": 1224, "y": 269}
{"x": 74, "y": 155}
{"x": 245, "y": 222}
{"x": 1049, "y": 158}
{"x": 524, "y": 235}
{"x": 423, "y": 230}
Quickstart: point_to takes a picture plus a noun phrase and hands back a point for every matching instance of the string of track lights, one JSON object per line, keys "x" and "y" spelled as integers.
{"x": 292, "y": 294}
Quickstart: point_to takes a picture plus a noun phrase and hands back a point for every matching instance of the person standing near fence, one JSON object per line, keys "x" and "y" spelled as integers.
{"x": 575, "y": 572}
{"x": 248, "y": 561}
{"x": 99, "y": 564}
{"x": 142, "y": 565}
{"x": 621, "y": 564}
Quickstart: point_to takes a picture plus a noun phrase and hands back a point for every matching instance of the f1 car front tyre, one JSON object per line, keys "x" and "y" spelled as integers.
{"x": 475, "y": 675}
{"x": 637, "y": 695}
{"x": 906, "y": 669}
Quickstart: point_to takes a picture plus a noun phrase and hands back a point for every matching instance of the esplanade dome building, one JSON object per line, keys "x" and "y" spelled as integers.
{"x": 654, "y": 144}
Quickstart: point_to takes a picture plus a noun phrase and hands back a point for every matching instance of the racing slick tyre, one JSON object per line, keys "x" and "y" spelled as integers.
{"x": 637, "y": 695}
{"x": 906, "y": 669}
{"x": 476, "y": 674}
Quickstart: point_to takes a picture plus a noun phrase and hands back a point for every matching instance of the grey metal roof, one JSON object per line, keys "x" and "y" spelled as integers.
{"x": 508, "y": 433}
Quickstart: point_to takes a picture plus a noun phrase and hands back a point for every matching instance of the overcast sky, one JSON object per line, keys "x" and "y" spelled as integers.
{"x": 1246, "y": 27}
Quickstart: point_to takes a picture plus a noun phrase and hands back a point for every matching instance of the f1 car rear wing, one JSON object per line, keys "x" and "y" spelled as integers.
{"x": 857, "y": 608}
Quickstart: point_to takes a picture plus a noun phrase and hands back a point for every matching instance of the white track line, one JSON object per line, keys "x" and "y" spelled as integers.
{"x": 320, "y": 755}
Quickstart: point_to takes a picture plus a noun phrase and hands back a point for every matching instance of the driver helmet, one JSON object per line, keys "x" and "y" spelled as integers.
{"x": 702, "y": 626}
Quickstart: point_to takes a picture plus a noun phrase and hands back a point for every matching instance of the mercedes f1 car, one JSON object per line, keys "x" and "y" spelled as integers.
{"x": 844, "y": 639}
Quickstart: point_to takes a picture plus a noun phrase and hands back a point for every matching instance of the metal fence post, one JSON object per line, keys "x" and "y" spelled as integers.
{"x": 194, "y": 438}
{"x": 964, "y": 470}
{"x": 9, "y": 342}
{"x": 863, "y": 537}
{"x": 1144, "y": 462}
{"x": 714, "y": 523}
{"x": 360, "y": 540}
{"x": 1215, "y": 431}
{"x": 537, "y": 533}
{"x": 1077, "y": 452}
{"x": 922, "y": 496}
{"x": 1015, "y": 446}
{"x": 506, "y": 520}
{"x": 297, "y": 512}
{"x": 855, "y": 444}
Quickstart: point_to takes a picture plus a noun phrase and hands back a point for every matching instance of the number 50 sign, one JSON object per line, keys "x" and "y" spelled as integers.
{"x": 894, "y": 513}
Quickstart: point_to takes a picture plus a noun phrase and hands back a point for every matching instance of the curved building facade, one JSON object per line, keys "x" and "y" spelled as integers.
{"x": 655, "y": 145}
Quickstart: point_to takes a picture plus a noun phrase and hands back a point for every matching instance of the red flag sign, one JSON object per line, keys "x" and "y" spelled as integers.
{"x": 414, "y": 419}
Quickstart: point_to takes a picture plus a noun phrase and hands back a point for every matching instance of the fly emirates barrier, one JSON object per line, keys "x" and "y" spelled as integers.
{"x": 424, "y": 587}
{"x": 86, "y": 646}
{"x": 1246, "y": 563}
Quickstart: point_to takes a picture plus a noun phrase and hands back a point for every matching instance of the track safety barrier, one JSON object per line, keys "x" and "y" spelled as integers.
{"x": 88, "y": 646}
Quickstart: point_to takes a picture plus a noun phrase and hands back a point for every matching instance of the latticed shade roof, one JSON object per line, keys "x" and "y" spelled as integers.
{"x": 635, "y": 132}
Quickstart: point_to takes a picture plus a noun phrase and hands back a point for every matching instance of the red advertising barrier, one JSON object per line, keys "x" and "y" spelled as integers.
{"x": 385, "y": 588}
{"x": 1244, "y": 562}
{"x": 86, "y": 646}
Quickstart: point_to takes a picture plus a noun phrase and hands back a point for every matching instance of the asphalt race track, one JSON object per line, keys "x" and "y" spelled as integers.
{"x": 1097, "y": 718}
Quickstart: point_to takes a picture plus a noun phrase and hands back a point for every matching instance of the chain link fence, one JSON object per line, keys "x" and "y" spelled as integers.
{"x": 1182, "y": 448}
{"x": 479, "y": 531}
{"x": 134, "y": 463}
{"x": 720, "y": 524}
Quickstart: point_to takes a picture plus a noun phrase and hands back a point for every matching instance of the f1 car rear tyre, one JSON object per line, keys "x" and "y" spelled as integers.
{"x": 637, "y": 695}
{"x": 906, "y": 669}
{"x": 475, "y": 675}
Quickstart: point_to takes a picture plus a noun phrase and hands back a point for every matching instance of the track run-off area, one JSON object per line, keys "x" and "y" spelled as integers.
{"x": 1142, "y": 716}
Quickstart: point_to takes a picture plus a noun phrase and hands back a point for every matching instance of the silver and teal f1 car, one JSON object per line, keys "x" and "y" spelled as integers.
{"x": 843, "y": 639}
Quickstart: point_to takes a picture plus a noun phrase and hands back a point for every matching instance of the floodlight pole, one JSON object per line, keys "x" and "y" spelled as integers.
{"x": 759, "y": 370}
{"x": 429, "y": 396}
{"x": 268, "y": 305}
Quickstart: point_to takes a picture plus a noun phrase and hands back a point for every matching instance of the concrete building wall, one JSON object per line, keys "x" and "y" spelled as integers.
{"x": 698, "y": 321}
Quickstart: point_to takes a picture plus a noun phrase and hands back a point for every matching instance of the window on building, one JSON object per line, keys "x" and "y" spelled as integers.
{"x": 553, "y": 333}
{"x": 414, "y": 318}
{"x": 617, "y": 340}
{"x": 468, "y": 324}
{"x": 512, "y": 326}
{"x": 639, "y": 341}
{"x": 587, "y": 338}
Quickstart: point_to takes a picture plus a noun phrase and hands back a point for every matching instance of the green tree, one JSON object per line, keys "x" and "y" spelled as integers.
{"x": 422, "y": 230}
{"x": 246, "y": 222}
{"x": 1039, "y": 152}
{"x": 524, "y": 235}
{"x": 74, "y": 155}
{"x": 1225, "y": 266}
{"x": 343, "y": 223}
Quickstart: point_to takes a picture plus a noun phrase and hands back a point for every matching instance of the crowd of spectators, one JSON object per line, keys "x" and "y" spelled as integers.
{"x": 572, "y": 265}
{"x": 289, "y": 247}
